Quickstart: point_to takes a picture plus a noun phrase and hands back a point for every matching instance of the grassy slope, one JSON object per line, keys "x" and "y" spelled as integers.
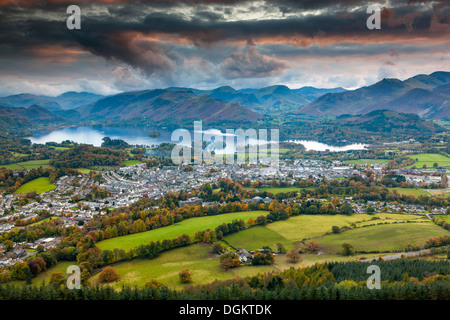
{"x": 429, "y": 159}
{"x": 411, "y": 191}
{"x": 383, "y": 237}
{"x": 188, "y": 226}
{"x": 128, "y": 163}
{"x": 367, "y": 161}
{"x": 279, "y": 190}
{"x": 39, "y": 185}
{"x": 306, "y": 226}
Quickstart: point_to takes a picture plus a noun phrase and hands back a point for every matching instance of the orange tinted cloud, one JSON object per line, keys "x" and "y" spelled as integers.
{"x": 56, "y": 53}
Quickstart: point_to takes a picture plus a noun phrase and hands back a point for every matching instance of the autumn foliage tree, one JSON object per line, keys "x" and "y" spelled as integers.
{"x": 185, "y": 276}
{"x": 293, "y": 255}
{"x": 108, "y": 274}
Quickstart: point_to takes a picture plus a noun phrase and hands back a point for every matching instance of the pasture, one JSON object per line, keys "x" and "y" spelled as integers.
{"x": 306, "y": 227}
{"x": 367, "y": 161}
{"x": 128, "y": 163}
{"x": 40, "y": 185}
{"x": 188, "y": 226}
{"x": 429, "y": 159}
{"x": 28, "y": 165}
{"x": 278, "y": 190}
{"x": 411, "y": 191}
{"x": 390, "y": 237}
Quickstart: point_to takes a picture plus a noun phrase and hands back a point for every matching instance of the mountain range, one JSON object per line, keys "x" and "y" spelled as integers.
{"x": 425, "y": 95}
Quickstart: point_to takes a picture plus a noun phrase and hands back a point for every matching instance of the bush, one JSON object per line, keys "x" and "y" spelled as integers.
{"x": 108, "y": 274}
{"x": 229, "y": 260}
{"x": 293, "y": 255}
{"x": 185, "y": 276}
{"x": 347, "y": 249}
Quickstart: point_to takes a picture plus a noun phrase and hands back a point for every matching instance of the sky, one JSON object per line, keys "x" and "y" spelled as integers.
{"x": 127, "y": 45}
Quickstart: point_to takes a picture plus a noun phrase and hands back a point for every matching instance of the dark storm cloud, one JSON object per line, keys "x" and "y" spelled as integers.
{"x": 155, "y": 37}
{"x": 251, "y": 64}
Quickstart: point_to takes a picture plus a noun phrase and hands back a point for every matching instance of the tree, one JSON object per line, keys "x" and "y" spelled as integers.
{"x": 347, "y": 249}
{"x": 444, "y": 181}
{"x": 312, "y": 246}
{"x": 293, "y": 255}
{"x": 108, "y": 274}
{"x": 281, "y": 248}
{"x": 370, "y": 210}
{"x": 28, "y": 276}
{"x": 218, "y": 248}
{"x": 261, "y": 220}
{"x": 347, "y": 209}
{"x": 260, "y": 258}
{"x": 229, "y": 260}
{"x": 335, "y": 229}
{"x": 185, "y": 276}
{"x": 8, "y": 245}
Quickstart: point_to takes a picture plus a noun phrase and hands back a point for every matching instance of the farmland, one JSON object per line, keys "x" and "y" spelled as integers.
{"x": 203, "y": 265}
{"x": 429, "y": 159}
{"x": 279, "y": 190}
{"x": 188, "y": 226}
{"x": 411, "y": 191}
{"x": 368, "y": 161}
{"x": 40, "y": 185}
{"x": 128, "y": 163}
{"x": 28, "y": 165}
{"x": 393, "y": 237}
{"x": 307, "y": 226}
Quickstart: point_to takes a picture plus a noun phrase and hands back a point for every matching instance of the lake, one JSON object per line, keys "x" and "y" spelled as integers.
{"x": 139, "y": 136}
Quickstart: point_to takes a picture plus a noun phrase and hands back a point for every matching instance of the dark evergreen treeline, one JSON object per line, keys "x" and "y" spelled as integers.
{"x": 392, "y": 271}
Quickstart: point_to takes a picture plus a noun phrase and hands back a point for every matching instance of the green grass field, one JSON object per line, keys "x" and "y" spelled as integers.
{"x": 383, "y": 237}
{"x": 128, "y": 163}
{"x": 29, "y": 165}
{"x": 188, "y": 226}
{"x": 445, "y": 217}
{"x": 429, "y": 160}
{"x": 279, "y": 190}
{"x": 305, "y": 227}
{"x": 40, "y": 185}
{"x": 203, "y": 266}
{"x": 411, "y": 191}
{"x": 367, "y": 161}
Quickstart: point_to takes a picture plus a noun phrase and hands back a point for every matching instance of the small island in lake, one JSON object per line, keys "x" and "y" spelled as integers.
{"x": 154, "y": 134}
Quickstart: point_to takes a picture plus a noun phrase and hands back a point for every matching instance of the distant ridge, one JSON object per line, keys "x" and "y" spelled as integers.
{"x": 425, "y": 95}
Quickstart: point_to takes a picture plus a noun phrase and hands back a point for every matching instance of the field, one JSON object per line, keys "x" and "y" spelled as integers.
{"x": 188, "y": 226}
{"x": 32, "y": 164}
{"x": 128, "y": 163}
{"x": 446, "y": 217}
{"x": 441, "y": 192}
{"x": 368, "y": 161}
{"x": 279, "y": 190}
{"x": 305, "y": 227}
{"x": 383, "y": 237}
{"x": 429, "y": 160}
{"x": 411, "y": 191}
{"x": 203, "y": 265}
{"x": 40, "y": 185}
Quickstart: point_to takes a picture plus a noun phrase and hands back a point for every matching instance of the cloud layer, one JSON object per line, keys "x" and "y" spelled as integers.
{"x": 125, "y": 44}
